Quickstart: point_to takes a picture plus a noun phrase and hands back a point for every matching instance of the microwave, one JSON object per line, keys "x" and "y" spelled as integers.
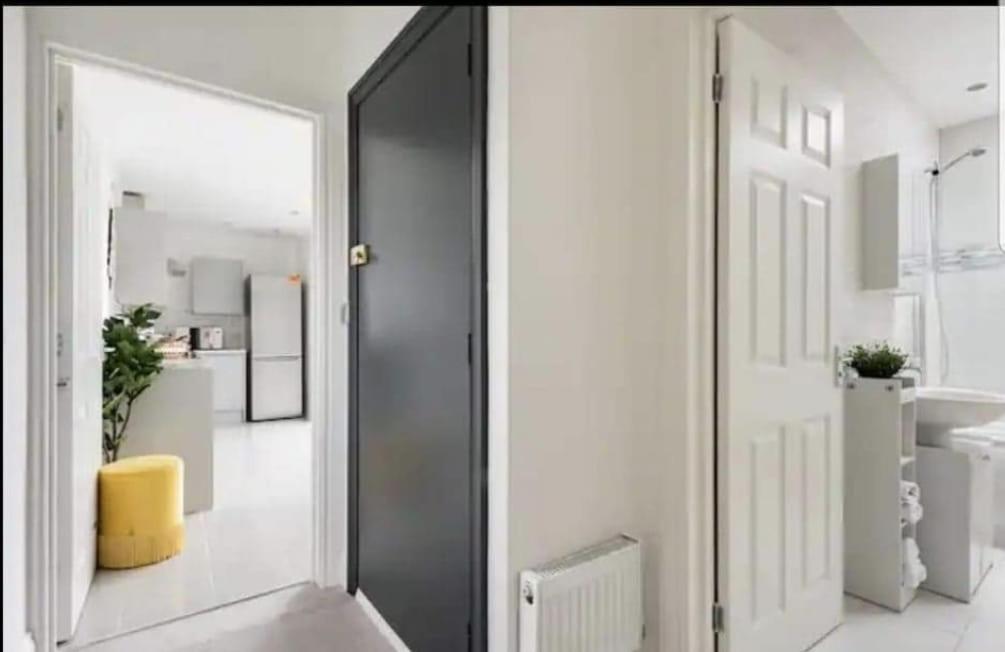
{"x": 206, "y": 338}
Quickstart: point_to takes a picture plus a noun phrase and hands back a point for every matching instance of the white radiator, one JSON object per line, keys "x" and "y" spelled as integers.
{"x": 589, "y": 601}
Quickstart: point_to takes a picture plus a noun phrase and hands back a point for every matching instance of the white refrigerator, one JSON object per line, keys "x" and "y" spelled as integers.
{"x": 275, "y": 347}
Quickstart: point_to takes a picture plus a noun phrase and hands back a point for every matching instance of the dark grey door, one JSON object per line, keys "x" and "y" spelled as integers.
{"x": 414, "y": 311}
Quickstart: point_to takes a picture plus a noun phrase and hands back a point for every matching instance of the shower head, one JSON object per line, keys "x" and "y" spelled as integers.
{"x": 975, "y": 152}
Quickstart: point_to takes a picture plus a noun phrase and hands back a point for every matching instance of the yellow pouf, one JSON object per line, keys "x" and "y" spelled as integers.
{"x": 140, "y": 511}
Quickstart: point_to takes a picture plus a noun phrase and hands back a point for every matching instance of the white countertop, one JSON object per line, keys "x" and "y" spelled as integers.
{"x": 184, "y": 363}
{"x": 199, "y": 352}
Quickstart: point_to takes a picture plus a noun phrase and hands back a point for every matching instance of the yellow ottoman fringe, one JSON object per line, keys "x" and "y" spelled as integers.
{"x": 140, "y": 550}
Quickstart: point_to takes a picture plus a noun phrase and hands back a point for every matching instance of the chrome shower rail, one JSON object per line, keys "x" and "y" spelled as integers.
{"x": 959, "y": 260}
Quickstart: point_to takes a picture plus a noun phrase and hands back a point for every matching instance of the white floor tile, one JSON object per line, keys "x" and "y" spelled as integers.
{"x": 256, "y": 539}
{"x": 984, "y": 635}
{"x": 931, "y": 623}
{"x": 302, "y": 618}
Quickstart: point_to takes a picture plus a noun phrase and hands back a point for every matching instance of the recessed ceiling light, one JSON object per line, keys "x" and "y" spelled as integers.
{"x": 979, "y": 86}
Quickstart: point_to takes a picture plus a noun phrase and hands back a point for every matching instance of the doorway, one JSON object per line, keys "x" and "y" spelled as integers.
{"x": 201, "y": 208}
{"x": 417, "y": 460}
{"x": 833, "y": 510}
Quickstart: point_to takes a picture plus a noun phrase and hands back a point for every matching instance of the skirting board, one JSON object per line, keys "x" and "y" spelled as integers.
{"x": 382, "y": 626}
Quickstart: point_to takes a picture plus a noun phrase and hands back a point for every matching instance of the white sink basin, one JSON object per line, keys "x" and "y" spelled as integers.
{"x": 941, "y": 409}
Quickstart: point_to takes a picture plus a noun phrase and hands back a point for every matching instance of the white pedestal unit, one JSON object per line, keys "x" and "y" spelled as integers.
{"x": 175, "y": 417}
{"x": 880, "y": 423}
{"x": 958, "y": 528}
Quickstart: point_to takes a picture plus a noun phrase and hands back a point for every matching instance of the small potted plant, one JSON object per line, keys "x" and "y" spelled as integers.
{"x": 878, "y": 360}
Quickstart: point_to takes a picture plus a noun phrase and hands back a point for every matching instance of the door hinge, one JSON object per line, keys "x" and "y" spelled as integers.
{"x": 470, "y": 348}
{"x": 59, "y": 119}
{"x": 718, "y": 618}
{"x": 470, "y": 638}
{"x": 717, "y": 88}
{"x": 469, "y": 60}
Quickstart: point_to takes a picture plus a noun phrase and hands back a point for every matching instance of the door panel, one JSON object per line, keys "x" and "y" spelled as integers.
{"x": 779, "y": 409}
{"x": 413, "y": 319}
{"x": 82, "y": 210}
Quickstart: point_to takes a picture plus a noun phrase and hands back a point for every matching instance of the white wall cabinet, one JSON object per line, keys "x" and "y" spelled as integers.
{"x": 229, "y": 384}
{"x": 883, "y": 202}
{"x": 217, "y": 286}
{"x": 139, "y": 262}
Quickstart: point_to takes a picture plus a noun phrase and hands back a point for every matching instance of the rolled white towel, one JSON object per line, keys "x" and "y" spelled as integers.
{"x": 913, "y": 570}
{"x": 911, "y": 512}
{"x": 914, "y": 575}
{"x": 911, "y": 550}
{"x": 909, "y": 490}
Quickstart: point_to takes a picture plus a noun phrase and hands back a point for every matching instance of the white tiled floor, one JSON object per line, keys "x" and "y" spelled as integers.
{"x": 931, "y": 623}
{"x": 257, "y": 537}
{"x": 302, "y": 618}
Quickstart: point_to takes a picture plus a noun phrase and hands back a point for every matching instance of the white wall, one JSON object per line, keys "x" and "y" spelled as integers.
{"x": 596, "y": 207}
{"x": 880, "y": 119}
{"x": 969, "y": 191}
{"x": 973, "y": 301}
{"x": 14, "y": 330}
{"x": 261, "y": 253}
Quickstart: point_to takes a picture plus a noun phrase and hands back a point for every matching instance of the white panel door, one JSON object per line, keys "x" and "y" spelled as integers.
{"x": 82, "y": 209}
{"x": 779, "y": 407}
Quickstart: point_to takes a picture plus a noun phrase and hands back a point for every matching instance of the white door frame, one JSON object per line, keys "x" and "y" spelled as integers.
{"x": 325, "y": 299}
{"x": 702, "y": 341}
{"x": 697, "y": 568}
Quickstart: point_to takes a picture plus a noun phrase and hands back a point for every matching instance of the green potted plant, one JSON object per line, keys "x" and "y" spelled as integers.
{"x": 130, "y": 366}
{"x": 878, "y": 360}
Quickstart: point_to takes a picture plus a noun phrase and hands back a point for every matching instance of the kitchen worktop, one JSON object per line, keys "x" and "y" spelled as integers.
{"x": 199, "y": 352}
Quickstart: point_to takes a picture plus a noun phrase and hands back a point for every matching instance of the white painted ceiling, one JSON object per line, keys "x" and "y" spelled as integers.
{"x": 200, "y": 156}
{"x": 935, "y": 53}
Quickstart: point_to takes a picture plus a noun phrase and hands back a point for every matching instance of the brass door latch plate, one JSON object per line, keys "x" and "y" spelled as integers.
{"x": 359, "y": 255}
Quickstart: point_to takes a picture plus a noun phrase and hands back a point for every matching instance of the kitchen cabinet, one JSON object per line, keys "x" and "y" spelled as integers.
{"x": 174, "y": 417}
{"x": 217, "y": 286}
{"x": 139, "y": 263}
{"x": 229, "y": 384}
